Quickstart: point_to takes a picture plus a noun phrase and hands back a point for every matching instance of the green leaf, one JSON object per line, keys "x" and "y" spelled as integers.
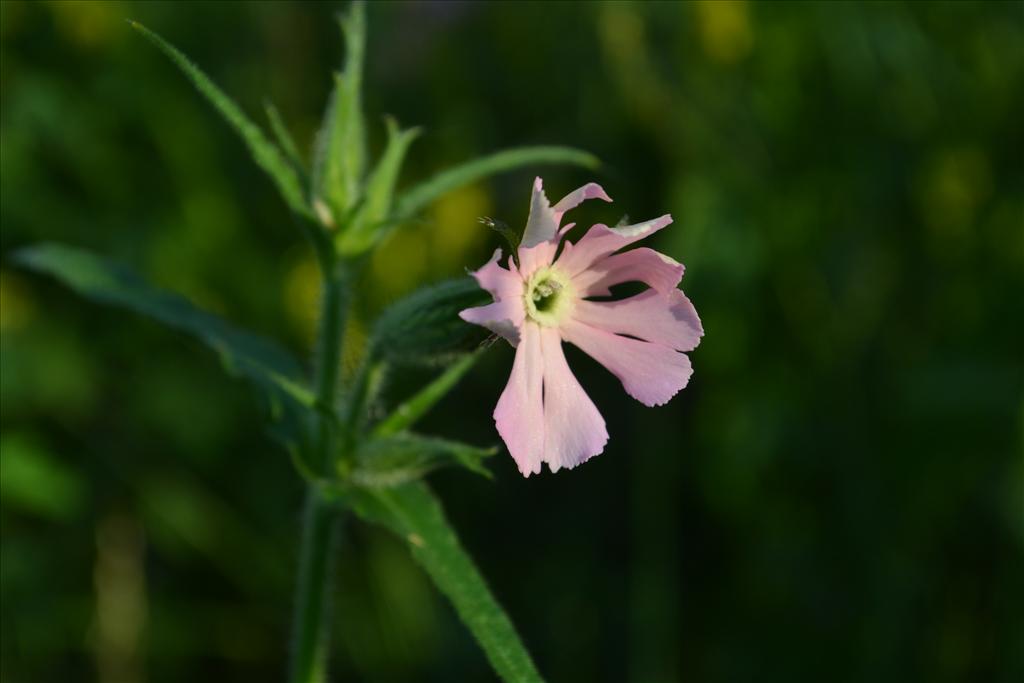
{"x": 406, "y": 414}
{"x": 368, "y": 226}
{"x": 284, "y": 138}
{"x": 265, "y": 153}
{"x": 401, "y": 458}
{"x": 425, "y": 325}
{"x": 414, "y": 514}
{"x": 243, "y": 353}
{"x": 423, "y": 194}
{"x": 340, "y": 157}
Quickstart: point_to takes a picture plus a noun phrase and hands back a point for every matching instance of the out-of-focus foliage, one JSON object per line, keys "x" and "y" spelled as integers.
{"x": 836, "y": 496}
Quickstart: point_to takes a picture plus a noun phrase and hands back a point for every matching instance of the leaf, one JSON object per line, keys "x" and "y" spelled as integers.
{"x": 414, "y": 514}
{"x": 423, "y": 194}
{"x": 426, "y": 323}
{"x": 368, "y": 226}
{"x": 284, "y": 138}
{"x": 265, "y": 153}
{"x": 340, "y": 156}
{"x": 243, "y": 353}
{"x": 401, "y": 458}
{"x": 405, "y": 415}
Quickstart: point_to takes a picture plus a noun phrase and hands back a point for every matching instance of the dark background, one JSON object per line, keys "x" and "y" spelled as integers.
{"x": 837, "y": 496}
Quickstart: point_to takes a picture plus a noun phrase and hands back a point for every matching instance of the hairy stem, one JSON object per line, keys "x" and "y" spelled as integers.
{"x": 328, "y": 353}
{"x": 312, "y": 593}
{"x": 312, "y": 603}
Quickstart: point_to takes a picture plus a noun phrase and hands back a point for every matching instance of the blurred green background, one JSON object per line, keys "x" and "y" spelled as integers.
{"x": 837, "y": 496}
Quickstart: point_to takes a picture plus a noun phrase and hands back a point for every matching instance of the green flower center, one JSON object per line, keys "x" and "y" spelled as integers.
{"x": 549, "y": 296}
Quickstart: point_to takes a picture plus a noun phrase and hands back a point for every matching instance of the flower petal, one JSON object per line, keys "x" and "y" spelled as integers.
{"x": 519, "y": 414}
{"x": 639, "y": 265}
{"x": 542, "y": 225}
{"x": 507, "y": 313}
{"x": 577, "y": 197}
{"x": 666, "y": 319}
{"x": 500, "y": 282}
{"x": 502, "y": 317}
{"x": 650, "y": 373}
{"x": 574, "y": 430}
{"x": 600, "y": 241}
{"x": 537, "y": 256}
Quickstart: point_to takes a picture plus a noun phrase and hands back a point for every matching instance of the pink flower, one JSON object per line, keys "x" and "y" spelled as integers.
{"x": 544, "y": 415}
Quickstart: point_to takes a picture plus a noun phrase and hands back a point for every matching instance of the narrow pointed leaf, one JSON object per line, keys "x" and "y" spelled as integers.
{"x": 423, "y": 194}
{"x": 415, "y": 516}
{"x": 264, "y": 152}
{"x": 243, "y": 353}
{"x": 284, "y": 138}
{"x": 406, "y": 414}
{"x": 401, "y": 458}
{"x": 368, "y": 226}
{"x": 341, "y": 143}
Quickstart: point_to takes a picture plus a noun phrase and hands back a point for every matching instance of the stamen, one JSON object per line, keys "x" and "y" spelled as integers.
{"x": 549, "y": 296}
{"x": 546, "y": 289}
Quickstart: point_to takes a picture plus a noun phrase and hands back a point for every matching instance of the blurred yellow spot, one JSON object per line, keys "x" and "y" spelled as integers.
{"x": 400, "y": 263}
{"x": 302, "y": 296}
{"x": 454, "y": 230}
{"x": 86, "y": 23}
{"x": 16, "y": 308}
{"x": 119, "y": 577}
{"x": 952, "y": 186}
{"x": 625, "y": 43}
{"x": 353, "y": 346}
{"x": 725, "y": 31}
{"x": 622, "y": 30}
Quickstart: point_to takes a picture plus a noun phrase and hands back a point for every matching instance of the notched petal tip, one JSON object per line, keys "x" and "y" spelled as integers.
{"x": 651, "y": 373}
{"x": 500, "y": 282}
{"x": 482, "y": 271}
{"x": 595, "y": 191}
{"x": 580, "y": 195}
{"x": 666, "y": 398}
{"x": 527, "y": 470}
{"x": 571, "y": 465}
{"x": 637, "y": 230}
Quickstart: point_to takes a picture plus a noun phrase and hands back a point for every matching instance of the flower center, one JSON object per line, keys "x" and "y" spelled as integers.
{"x": 549, "y": 296}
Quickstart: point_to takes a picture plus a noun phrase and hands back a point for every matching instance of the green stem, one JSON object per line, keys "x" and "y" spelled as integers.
{"x": 365, "y": 383}
{"x": 328, "y": 353}
{"x": 416, "y": 407}
{"x": 312, "y": 592}
{"x": 312, "y": 604}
